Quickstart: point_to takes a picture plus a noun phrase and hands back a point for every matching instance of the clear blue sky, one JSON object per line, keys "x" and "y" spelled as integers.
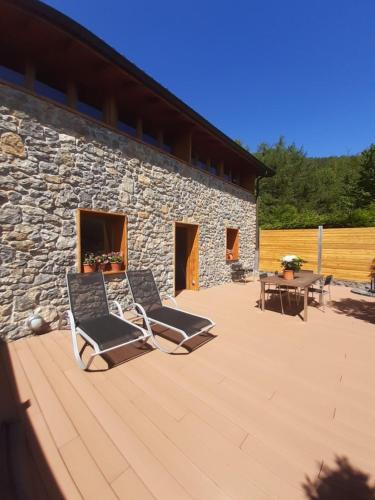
{"x": 256, "y": 69}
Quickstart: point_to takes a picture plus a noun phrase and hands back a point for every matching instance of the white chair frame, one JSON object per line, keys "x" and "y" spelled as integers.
{"x": 141, "y": 313}
{"x": 75, "y": 331}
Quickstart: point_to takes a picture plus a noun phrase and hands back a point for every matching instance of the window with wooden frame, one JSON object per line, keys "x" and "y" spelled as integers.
{"x": 233, "y": 244}
{"x": 102, "y": 240}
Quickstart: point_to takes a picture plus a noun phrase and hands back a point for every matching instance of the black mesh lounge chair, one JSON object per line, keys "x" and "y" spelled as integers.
{"x": 90, "y": 318}
{"x": 148, "y": 305}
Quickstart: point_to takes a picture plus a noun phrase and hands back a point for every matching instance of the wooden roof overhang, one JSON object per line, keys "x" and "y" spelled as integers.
{"x": 63, "y": 50}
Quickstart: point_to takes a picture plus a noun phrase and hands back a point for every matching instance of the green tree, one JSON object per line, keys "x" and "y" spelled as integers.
{"x": 366, "y": 182}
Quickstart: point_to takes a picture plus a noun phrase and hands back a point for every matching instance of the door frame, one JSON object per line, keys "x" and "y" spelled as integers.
{"x": 192, "y": 266}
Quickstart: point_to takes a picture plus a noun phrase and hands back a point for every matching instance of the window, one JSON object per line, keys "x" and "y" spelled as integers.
{"x": 149, "y": 139}
{"x": 45, "y": 90}
{"x": 89, "y": 110}
{"x": 233, "y": 240}
{"x": 124, "y": 127}
{"x": 9, "y": 75}
{"x": 99, "y": 234}
{"x": 214, "y": 170}
{"x": 227, "y": 174}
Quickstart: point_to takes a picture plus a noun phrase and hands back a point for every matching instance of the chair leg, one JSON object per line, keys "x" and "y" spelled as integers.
{"x": 281, "y": 301}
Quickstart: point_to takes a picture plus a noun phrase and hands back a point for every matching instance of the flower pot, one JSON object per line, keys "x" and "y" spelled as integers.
{"x": 288, "y": 274}
{"x": 102, "y": 267}
{"x": 116, "y": 266}
{"x": 89, "y": 268}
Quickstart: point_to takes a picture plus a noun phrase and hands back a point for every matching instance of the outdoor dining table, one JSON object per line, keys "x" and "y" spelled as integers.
{"x": 301, "y": 281}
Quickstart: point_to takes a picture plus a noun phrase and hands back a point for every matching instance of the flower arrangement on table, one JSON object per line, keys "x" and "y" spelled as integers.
{"x": 290, "y": 265}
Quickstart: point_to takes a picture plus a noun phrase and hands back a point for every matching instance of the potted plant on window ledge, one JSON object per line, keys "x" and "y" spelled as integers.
{"x": 102, "y": 261}
{"x": 89, "y": 263}
{"x": 116, "y": 260}
{"x": 290, "y": 265}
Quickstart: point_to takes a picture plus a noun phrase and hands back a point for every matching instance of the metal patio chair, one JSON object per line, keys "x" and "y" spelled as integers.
{"x": 147, "y": 305}
{"x": 269, "y": 290}
{"x": 321, "y": 290}
{"x": 89, "y": 317}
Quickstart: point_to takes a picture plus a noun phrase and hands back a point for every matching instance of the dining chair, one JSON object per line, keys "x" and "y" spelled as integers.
{"x": 322, "y": 291}
{"x": 269, "y": 290}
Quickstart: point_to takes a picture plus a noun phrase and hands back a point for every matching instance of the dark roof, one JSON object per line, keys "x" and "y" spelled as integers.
{"x": 82, "y": 34}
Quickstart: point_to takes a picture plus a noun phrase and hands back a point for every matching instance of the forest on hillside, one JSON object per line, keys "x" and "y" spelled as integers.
{"x": 307, "y": 192}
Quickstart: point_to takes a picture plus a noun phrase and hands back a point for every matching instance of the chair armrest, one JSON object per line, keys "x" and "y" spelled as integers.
{"x": 119, "y": 309}
{"x": 141, "y": 312}
{"x": 72, "y": 323}
{"x": 172, "y": 299}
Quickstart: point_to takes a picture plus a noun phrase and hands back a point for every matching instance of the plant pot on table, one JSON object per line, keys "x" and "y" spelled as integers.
{"x": 288, "y": 274}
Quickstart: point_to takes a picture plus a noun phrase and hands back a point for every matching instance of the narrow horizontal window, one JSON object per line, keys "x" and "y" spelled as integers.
{"x": 47, "y": 91}
{"x": 214, "y": 170}
{"x": 149, "y": 139}
{"x": 89, "y": 110}
{"x": 124, "y": 127}
{"x": 9, "y": 75}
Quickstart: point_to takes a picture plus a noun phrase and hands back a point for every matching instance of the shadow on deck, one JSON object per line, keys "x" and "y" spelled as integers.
{"x": 24, "y": 470}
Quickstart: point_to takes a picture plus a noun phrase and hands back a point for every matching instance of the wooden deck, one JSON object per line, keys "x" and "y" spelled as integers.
{"x": 248, "y": 415}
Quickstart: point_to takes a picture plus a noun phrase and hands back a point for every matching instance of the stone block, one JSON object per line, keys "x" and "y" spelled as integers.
{"x": 12, "y": 144}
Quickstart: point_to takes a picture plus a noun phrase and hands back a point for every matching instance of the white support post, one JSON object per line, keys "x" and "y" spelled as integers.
{"x": 320, "y": 248}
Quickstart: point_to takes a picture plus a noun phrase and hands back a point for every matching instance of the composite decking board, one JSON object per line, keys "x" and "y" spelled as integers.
{"x": 103, "y": 451}
{"x": 237, "y": 474}
{"x": 196, "y": 405}
{"x": 54, "y": 412}
{"x": 158, "y": 478}
{"x": 19, "y": 473}
{"x": 129, "y": 485}
{"x": 40, "y": 438}
{"x": 252, "y": 412}
{"x": 251, "y": 419}
{"x": 85, "y": 472}
{"x": 188, "y": 474}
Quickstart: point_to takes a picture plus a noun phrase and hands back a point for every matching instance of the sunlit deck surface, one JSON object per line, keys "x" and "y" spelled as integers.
{"x": 250, "y": 414}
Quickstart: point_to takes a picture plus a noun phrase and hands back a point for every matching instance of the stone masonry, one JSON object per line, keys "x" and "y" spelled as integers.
{"x": 53, "y": 161}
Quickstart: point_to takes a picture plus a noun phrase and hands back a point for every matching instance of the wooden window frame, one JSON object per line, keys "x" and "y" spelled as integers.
{"x": 232, "y": 243}
{"x": 124, "y": 236}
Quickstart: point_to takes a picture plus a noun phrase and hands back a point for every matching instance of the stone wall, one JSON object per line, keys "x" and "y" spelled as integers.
{"x": 53, "y": 161}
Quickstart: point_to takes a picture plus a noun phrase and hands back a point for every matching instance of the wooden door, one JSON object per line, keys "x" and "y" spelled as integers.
{"x": 191, "y": 255}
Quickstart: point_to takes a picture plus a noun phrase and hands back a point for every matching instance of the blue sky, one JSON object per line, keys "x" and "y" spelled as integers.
{"x": 256, "y": 69}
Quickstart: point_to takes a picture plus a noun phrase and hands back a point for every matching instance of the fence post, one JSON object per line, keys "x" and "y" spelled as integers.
{"x": 320, "y": 248}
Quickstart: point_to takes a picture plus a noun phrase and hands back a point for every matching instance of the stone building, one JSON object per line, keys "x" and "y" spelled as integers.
{"x": 97, "y": 157}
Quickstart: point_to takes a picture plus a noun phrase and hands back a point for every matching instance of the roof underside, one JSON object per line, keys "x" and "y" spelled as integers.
{"x": 63, "y": 49}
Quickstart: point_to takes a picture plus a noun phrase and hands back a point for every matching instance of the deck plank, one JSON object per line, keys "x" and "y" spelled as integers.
{"x": 102, "y": 449}
{"x": 248, "y": 415}
{"x": 130, "y": 486}
{"x": 85, "y": 472}
{"x": 188, "y": 475}
{"x": 58, "y": 421}
{"x": 162, "y": 483}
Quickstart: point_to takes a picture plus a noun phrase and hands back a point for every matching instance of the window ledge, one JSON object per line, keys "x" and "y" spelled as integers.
{"x": 114, "y": 272}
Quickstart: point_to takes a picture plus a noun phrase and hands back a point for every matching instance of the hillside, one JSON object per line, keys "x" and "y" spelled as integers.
{"x": 307, "y": 192}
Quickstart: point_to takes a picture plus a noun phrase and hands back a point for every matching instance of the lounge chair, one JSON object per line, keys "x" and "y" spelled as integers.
{"x": 148, "y": 305}
{"x": 90, "y": 318}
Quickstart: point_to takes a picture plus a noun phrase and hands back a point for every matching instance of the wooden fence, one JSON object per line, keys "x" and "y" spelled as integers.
{"x": 346, "y": 253}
